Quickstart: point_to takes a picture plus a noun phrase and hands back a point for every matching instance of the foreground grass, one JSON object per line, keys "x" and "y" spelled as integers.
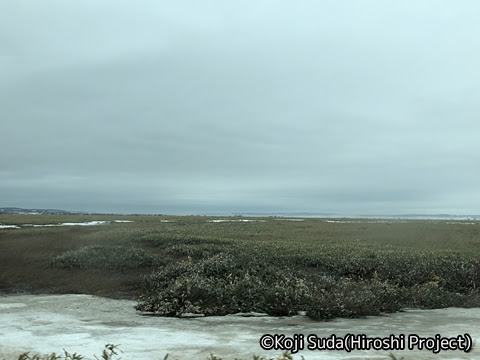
{"x": 112, "y": 352}
{"x": 328, "y": 269}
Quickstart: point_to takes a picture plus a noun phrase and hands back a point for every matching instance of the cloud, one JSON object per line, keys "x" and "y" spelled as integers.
{"x": 252, "y": 105}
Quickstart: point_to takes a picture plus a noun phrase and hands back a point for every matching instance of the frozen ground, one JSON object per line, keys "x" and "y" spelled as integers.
{"x": 87, "y": 223}
{"x": 84, "y": 324}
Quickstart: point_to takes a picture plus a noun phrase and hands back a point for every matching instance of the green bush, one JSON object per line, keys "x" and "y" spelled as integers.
{"x": 104, "y": 257}
{"x": 164, "y": 239}
{"x": 217, "y": 270}
{"x": 221, "y": 285}
{"x": 354, "y": 284}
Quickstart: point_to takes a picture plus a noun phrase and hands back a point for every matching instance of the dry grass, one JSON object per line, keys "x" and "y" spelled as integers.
{"x": 24, "y": 255}
{"x": 312, "y": 246}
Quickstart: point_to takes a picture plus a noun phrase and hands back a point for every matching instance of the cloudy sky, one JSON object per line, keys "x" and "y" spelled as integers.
{"x": 182, "y": 107}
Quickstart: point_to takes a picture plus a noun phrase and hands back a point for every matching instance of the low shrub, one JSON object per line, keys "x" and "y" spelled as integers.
{"x": 259, "y": 282}
{"x": 204, "y": 268}
{"x": 103, "y": 257}
{"x": 220, "y": 285}
{"x": 110, "y": 352}
{"x": 165, "y": 239}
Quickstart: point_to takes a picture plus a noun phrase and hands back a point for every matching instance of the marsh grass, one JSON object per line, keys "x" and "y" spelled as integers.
{"x": 279, "y": 267}
{"x": 325, "y": 278}
{"x": 104, "y": 257}
{"x": 112, "y": 352}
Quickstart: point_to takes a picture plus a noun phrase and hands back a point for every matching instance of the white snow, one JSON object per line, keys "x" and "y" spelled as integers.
{"x": 290, "y": 219}
{"x": 365, "y": 221}
{"x": 84, "y": 324}
{"x": 9, "y": 227}
{"x": 123, "y": 221}
{"x": 232, "y": 220}
{"x": 87, "y": 223}
{"x": 11, "y": 305}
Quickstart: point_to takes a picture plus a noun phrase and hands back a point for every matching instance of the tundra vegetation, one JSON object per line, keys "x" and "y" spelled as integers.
{"x": 112, "y": 352}
{"x": 175, "y": 265}
{"x": 328, "y": 269}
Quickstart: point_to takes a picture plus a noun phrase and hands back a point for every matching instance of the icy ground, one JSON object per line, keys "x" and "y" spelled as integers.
{"x": 84, "y": 324}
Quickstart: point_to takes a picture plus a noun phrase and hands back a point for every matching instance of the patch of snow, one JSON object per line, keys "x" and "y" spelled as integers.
{"x": 9, "y": 227}
{"x": 290, "y": 219}
{"x": 167, "y": 220}
{"x": 191, "y": 315}
{"x": 365, "y": 221}
{"x": 233, "y": 220}
{"x": 84, "y": 324}
{"x": 123, "y": 221}
{"x": 87, "y": 223}
{"x": 11, "y": 305}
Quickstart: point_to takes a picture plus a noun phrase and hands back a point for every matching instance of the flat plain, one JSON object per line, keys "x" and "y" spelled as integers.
{"x": 177, "y": 266}
{"x": 221, "y": 265}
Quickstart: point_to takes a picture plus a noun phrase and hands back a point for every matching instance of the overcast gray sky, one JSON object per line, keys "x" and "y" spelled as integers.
{"x": 351, "y": 107}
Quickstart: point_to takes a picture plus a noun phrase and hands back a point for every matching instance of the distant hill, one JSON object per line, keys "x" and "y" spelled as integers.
{"x": 15, "y": 210}
{"x": 369, "y": 216}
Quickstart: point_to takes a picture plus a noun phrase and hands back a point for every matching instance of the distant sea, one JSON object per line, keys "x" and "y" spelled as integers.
{"x": 362, "y": 216}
